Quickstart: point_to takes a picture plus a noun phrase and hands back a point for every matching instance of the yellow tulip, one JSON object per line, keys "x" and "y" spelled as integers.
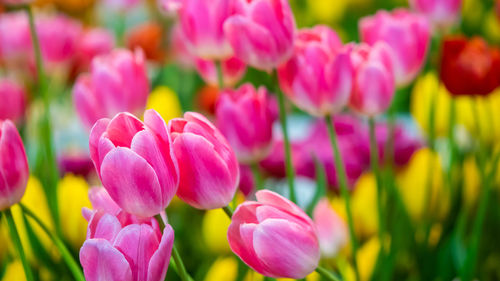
{"x": 214, "y": 228}
{"x": 367, "y": 258}
{"x": 328, "y": 11}
{"x": 14, "y": 272}
{"x": 166, "y": 102}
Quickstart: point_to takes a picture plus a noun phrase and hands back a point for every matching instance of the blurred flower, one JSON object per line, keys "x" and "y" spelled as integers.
{"x": 328, "y": 11}
{"x": 76, "y": 163}
{"x": 206, "y": 99}
{"x": 367, "y": 258}
{"x": 179, "y": 49}
{"x": 441, "y": 13}
{"x": 332, "y": 229}
{"x": 92, "y": 43}
{"x": 407, "y": 34}
{"x": 170, "y": 7}
{"x": 209, "y": 172}
{"x": 15, "y": 39}
{"x": 223, "y": 269}
{"x": 13, "y": 97}
{"x": 117, "y": 82}
{"x": 262, "y": 33}
{"x": 318, "y": 78}
{"x": 214, "y": 229}
{"x": 14, "y": 271}
{"x": 470, "y": 67}
{"x": 165, "y": 102}
{"x": 148, "y": 36}
{"x": 233, "y": 70}
{"x": 472, "y": 182}
{"x": 247, "y": 181}
{"x": 274, "y": 237}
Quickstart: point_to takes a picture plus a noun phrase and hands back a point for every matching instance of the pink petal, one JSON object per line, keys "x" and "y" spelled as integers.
{"x": 158, "y": 265}
{"x": 103, "y": 225}
{"x": 100, "y": 261}
{"x": 276, "y": 200}
{"x": 122, "y": 128}
{"x": 96, "y": 133}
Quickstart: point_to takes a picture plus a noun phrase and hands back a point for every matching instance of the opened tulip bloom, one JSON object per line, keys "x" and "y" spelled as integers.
{"x": 441, "y": 13}
{"x": 245, "y": 117}
{"x": 135, "y": 162}
{"x": 209, "y": 172}
{"x": 14, "y": 170}
{"x": 332, "y": 229}
{"x": 262, "y": 33}
{"x": 274, "y": 237}
{"x": 13, "y": 99}
{"x": 318, "y": 78}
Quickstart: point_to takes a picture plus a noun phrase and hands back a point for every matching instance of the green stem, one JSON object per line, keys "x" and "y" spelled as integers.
{"x": 229, "y": 212}
{"x": 17, "y": 243}
{"x": 220, "y": 75}
{"x": 181, "y": 269}
{"x": 378, "y": 178}
{"x": 257, "y": 176}
{"x": 389, "y": 145}
{"x": 327, "y": 274}
{"x": 342, "y": 180}
{"x": 290, "y": 173}
{"x": 66, "y": 255}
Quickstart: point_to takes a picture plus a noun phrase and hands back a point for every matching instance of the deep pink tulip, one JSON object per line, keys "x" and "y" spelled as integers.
{"x": 247, "y": 181}
{"x": 332, "y": 229}
{"x": 245, "y": 117}
{"x": 274, "y": 237}
{"x": 92, "y": 43}
{"x": 374, "y": 85}
{"x": 262, "y": 33}
{"x": 233, "y": 70}
{"x": 135, "y": 162}
{"x": 117, "y": 82}
{"x": 59, "y": 36}
{"x": 318, "y": 78}
{"x": 15, "y": 39}
{"x": 406, "y": 33}
{"x": 209, "y": 172}
{"x": 274, "y": 163}
{"x": 14, "y": 171}
{"x": 13, "y": 100}
{"x": 441, "y": 13}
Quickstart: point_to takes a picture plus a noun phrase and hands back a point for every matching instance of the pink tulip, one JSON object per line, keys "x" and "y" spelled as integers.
{"x": 274, "y": 237}
{"x": 318, "y": 78}
{"x": 441, "y": 13}
{"x": 15, "y": 39}
{"x": 247, "y": 181}
{"x": 233, "y": 70}
{"x": 262, "y": 34}
{"x": 92, "y": 43}
{"x": 332, "y": 230}
{"x": 117, "y": 82}
{"x": 209, "y": 173}
{"x": 180, "y": 52}
{"x": 135, "y": 162}
{"x": 374, "y": 79}
{"x": 59, "y": 36}
{"x": 407, "y": 34}
{"x": 201, "y": 22}
{"x": 14, "y": 170}
{"x": 13, "y": 99}
{"x": 245, "y": 117}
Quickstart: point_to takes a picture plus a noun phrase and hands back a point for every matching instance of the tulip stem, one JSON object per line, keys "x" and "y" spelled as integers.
{"x": 290, "y": 173}
{"x": 257, "y": 176}
{"x": 220, "y": 75}
{"x": 17, "y": 243}
{"x": 342, "y": 180}
{"x": 326, "y": 274}
{"x": 229, "y": 212}
{"x": 66, "y": 255}
{"x": 374, "y": 155}
{"x": 181, "y": 269}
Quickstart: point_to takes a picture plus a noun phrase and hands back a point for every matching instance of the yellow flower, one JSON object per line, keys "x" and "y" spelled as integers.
{"x": 471, "y": 182}
{"x": 72, "y": 195}
{"x": 367, "y": 257}
{"x": 328, "y": 11}
{"x": 166, "y": 102}
{"x": 214, "y": 228}
{"x": 14, "y": 272}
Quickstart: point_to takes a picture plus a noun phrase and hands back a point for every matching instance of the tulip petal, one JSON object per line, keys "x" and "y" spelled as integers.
{"x": 158, "y": 265}
{"x": 100, "y": 261}
{"x": 94, "y": 139}
{"x": 122, "y": 128}
{"x": 276, "y": 200}
{"x": 103, "y": 225}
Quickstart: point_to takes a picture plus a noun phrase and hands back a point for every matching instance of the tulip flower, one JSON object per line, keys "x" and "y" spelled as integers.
{"x": 262, "y": 33}
{"x": 247, "y": 181}
{"x": 441, "y": 13}
{"x": 148, "y": 37}
{"x": 117, "y": 82}
{"x": 233, "y": 70}
{"x": 170, "y": 7}
{"x": 374, "y": 79}
{"x": 13, "y": 99}
{"x": 59, "y": 36}
{"x": 180, "y": 51}
{"x": 470, "y": 67}
{"x": 318, "y": 78}
{"x": 274, "y": 237}
{"x": 209, "y": 173}
{"x": 14, "y": 170}
{"x": 245, "y": 117}
{"x": 135, "y": 162}
{"x": 15, "y": 40}
{"x": 406, "y": 33}
{"x": 92, "y": 43}
{"x": 332, "y": 229}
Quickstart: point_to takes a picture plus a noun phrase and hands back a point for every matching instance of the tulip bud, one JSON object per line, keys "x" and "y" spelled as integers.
{"x": 245, "y": 117}
{"x": 262, "y": 33}
{"x": 135, "y": 162}
{"x": 332, "y": 230}
{"x": 318, "y": 78}
{"x": 274, "y": 237}
{"x": 209, "y": 172}
{"x": 14, "y": 170}
{"x": 13, "y": 99}
{"x": 441, "y": 13}
{"x": 233, "y": 70}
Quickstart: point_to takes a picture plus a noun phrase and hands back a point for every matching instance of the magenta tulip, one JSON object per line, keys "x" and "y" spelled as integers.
{"x": 135, "y": 162}
{"x": 441, "y": 13}
{"x": 13, "y": 99}
{"x": 59, "y": 36}
{"x": 406, "y": 33}
{"x": 245, "y": 117}
{"x": 117, "y": 82}
{"x": 332, "y": 229}
{"x": 274, "y": 237}
{"x": 92, "y": 43}
{"x": 233, "y": 70}
{"x": 15, "y": 39}
{"x": 209, "y": 172}
{"x": 318, "y": 78}
{"x": 262, "y": 33}
{"x": 14, "y": 170}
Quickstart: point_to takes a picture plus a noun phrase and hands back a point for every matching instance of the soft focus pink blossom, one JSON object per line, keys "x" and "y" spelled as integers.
{"x": 274, "y": 237}
{"x": 441, "y": 13}
{"x": 332, "y": 229}
{"x": 406, "y": 33}
{"x": 15, "y": 39}
{"x": 233, "y": 70}
{"x": 180, "y": 52}
{"x": 92, "y": 43}
{"x": 209, "y": 172}
{"x": 59, "y": 36}
{"x": 262, "y": 33}
{"x": 247, "y": 181}
{"x": 170, "y": 7}
{"x": 13, "y": 100}
{"x": 76, "y": 163}
{"x": 16, "y": 2}
{"x": 14, "y": 171}
{"x": 117, "y": 82}
{"x": 135, "y": 162}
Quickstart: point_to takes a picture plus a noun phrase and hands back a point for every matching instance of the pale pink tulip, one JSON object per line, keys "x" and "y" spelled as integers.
{"x": 59, "y": 36}
{"x": 274, "y": 237}
{"x": 233, "y": 70}
{"x": 441, "y": 13}
{"x": 135, "y": 162}
{"x": 332, "y": 229}
{"x": 209, "y": 172}
{"x": 13, "y": 99}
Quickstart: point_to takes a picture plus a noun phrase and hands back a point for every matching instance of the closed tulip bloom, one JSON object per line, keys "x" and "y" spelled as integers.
{"x": 374, "y": 79}
{"x": 332, "y": 229}
{"x": 406, "y": 33}
{"x": 209, "y": 172}
{"x": 117, "y": 82}
{"x": 59, "y": 36}
{"x": 15, "y": 39}
{"x": 14, "y": 170}
{"x": 13, "y": 99}
{"x": 262, "y": 33}
{"x": 441, "y": 13}
{"x": 274, "y": 237}
{"x": 233, "y": 70}
{"x": 245, "y": 117}
{"x": 318, "y": 78}
{"x": 92, "y": 43}
{"x": 135, "y": 162}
